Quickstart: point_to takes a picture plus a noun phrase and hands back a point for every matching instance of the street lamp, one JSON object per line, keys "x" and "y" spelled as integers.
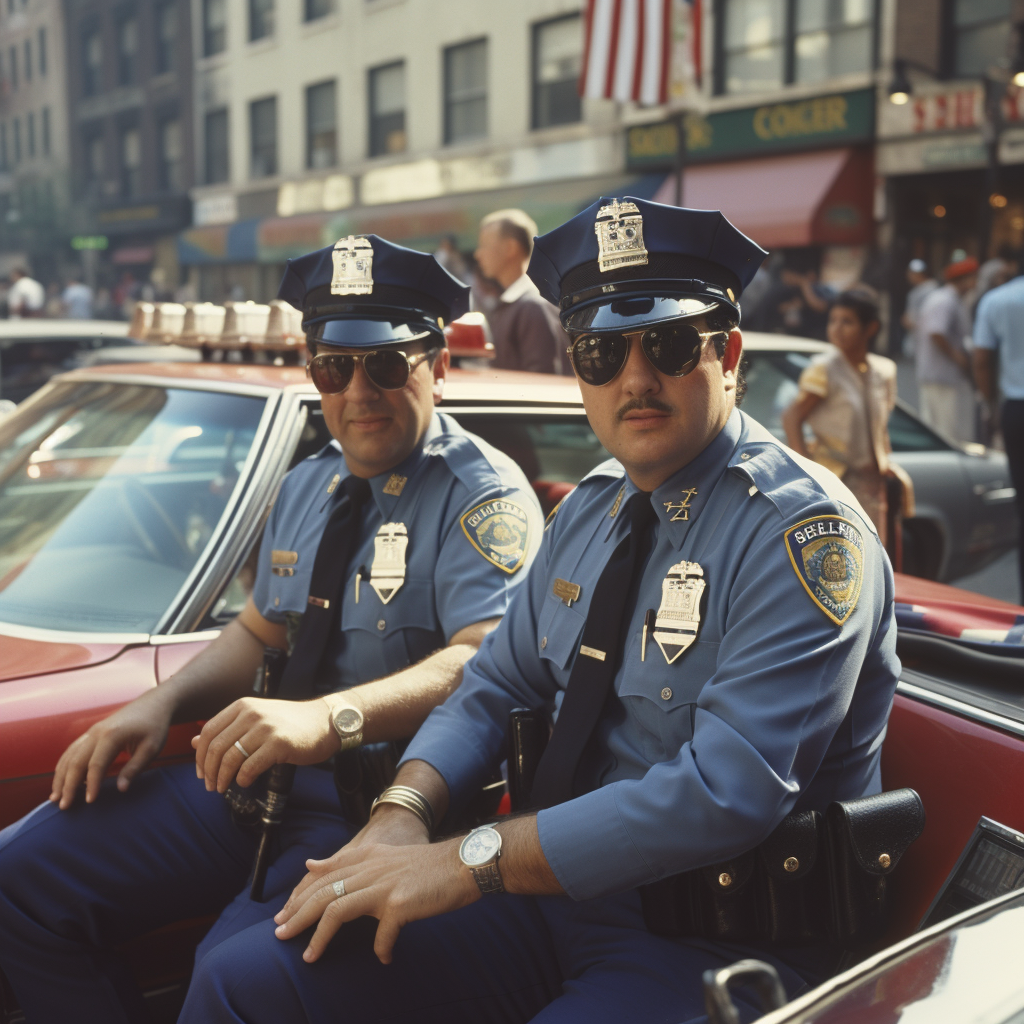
{"x": 900, "y": 87}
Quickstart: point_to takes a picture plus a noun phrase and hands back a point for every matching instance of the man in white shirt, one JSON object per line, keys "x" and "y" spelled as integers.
{"x": 77, "y": 300}
{"x": 26, "y": 296}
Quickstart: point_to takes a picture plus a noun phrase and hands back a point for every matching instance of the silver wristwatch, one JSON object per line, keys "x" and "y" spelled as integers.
{"x": 480, "y": 851}
{"x": 348, "y": 724}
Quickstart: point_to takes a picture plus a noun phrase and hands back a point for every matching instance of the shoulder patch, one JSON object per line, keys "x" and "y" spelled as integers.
{"x": 500, "y": 531}
{"x": 827, "y": 553}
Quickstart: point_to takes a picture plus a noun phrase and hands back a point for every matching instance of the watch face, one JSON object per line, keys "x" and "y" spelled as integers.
{"x": 480, "y": 847}
{"x": 348, "y": 720}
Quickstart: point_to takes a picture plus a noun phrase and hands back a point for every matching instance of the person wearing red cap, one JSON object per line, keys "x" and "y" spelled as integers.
{"x": 946, "y": 393}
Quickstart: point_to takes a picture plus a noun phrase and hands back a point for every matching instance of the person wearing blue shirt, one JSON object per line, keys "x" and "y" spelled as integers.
{"x": 999, "y": 342}
{"x": 438, "y": 529}
{"x": 710, "y": 623}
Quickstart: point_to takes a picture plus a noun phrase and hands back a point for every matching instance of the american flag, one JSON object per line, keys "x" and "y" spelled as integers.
{"x": 647, "y": 51}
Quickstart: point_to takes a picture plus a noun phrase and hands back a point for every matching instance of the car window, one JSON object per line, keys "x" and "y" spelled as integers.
{"x": 109, "y": 495}
{"x": 26, "y": 364}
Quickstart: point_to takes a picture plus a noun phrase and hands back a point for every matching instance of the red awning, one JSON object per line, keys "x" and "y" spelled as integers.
{"x": 822, "y": 198}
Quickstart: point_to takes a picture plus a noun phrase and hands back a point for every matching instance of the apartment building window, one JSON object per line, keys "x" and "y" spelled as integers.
{"x": 28, "y": 60}
{"x": 215, "y": 146}
{"x": 12, "y": 63}
{"x": 263, "y": 138}
{"x": 30, "y": 126}
{"x": 982, "y": 32}
{"x": 261, "y": 19}
{"x": 131, "y": 162}
{"x": 763, "y": 44}
{"x": 127, "y": 50}
{"x": 321, "y": 126}
{"x": 387, "y": 109}
{"x": 557, "y": 54}
{"x": 171, "y": 163}
{"x": 465, "y": 92}
{"x": 313, "y": 9}
{"x": 46, "y": 131}
{"x": 166, "y": 36}
{"x": 42, "y": 53}
{"x": 215, "y": 27}
{"x": 17, "y": 140}
{"x": 92, "y": 62}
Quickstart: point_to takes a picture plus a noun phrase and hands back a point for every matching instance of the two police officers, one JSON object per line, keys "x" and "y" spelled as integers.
{"x": 710, "y": 619}
{"x": 437, "y": 530}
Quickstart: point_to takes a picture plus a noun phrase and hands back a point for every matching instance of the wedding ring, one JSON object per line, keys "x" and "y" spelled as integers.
{"x": 245, "y": 753}
{"x": 339, "y": 888}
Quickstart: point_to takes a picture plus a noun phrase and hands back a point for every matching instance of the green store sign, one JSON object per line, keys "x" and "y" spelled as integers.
{"x": 839, "y": 119}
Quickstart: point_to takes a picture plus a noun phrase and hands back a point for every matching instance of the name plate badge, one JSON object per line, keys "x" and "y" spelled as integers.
{"x": 678, "y": 619}
{"x": 566, "y": 591}
{"x": 284, "y": 557}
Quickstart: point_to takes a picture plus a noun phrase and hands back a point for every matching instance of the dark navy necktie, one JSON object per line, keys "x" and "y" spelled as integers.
{"x": 590, "y": 682}
{"x": 340, "y": 539}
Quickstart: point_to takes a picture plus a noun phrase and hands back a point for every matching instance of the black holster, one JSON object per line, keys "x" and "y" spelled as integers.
{"x": 815, "y": 879}
{"x": 362, "y": 774}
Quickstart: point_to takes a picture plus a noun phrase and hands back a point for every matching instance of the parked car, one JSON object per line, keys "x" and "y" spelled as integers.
{"x": 32, "y": 350}
{"x": 131, "y": 503}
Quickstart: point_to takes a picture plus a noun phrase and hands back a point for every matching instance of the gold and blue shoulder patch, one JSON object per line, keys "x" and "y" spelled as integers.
{"x": 500, "y": 531}
{"x": 827, "y": 553}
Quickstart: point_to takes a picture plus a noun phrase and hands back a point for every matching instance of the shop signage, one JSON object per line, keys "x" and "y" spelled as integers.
{"x": 170, "y": 214}
{"x": 838, "y": 119}
{"x": 950, "y": 107}
{"x": 81, "y": 242}
{"x": 216, "y": 209}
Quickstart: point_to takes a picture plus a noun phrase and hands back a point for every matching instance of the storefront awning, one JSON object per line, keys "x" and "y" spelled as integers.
{"x": 419, "y": 225}
{"x": 822, "y": 198}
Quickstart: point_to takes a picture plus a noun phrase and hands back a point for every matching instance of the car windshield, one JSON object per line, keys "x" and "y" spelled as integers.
{"x": 109, "y": 494}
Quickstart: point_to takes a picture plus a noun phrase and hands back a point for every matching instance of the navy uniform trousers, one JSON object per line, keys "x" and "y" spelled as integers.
{"x": 75, "y": 884}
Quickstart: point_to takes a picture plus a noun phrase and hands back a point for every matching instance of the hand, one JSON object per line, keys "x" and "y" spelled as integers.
{"x": 395, "y": 884}
{"x": 140, "y": 727}
{"x": 271, "y": 731}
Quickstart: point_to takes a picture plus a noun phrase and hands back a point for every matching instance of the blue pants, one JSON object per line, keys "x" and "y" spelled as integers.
{"x": 74, "y": 884}
{"x": 502, "y": 960}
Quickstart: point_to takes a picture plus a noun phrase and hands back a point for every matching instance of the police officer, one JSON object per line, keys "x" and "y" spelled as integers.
{"x": 710, "y": 618}
{"x": 441, "y": 527}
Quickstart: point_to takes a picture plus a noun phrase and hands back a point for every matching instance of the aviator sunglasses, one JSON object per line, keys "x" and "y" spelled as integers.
{"x": 672, "y": 348}
{"x": 387, "y": 368}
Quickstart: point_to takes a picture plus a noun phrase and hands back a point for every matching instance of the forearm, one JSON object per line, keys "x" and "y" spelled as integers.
{"x": 396, "y": 706}
{"x": 793, "y": 425}
{"x": 524, "y": 868}
{"x": 984, "y": 374}
{"x": 954, "y": 355}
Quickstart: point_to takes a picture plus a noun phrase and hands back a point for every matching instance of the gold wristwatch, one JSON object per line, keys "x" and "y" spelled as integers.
{"x": 348, "y": 724}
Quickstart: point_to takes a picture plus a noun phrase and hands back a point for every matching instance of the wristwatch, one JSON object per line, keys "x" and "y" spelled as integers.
{"x": 480, "y": 851}
{"x": 348, "y": 724}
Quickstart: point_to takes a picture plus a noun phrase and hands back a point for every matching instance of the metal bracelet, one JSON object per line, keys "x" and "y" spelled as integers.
{"x": 409, "y": 798}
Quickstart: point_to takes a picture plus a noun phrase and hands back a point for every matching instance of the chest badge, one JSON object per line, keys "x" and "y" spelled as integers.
{"x": 500, "y": 531}
{"x": 827, "y": 554}
{"x": 681, "y": 509}
{"x": 388, "y": 571}
{"x": 678, "y": 620}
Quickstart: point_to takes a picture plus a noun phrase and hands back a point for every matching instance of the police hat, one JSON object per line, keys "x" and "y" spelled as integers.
{"x": 364, "y": 292}
{"x": 626, "y": 262}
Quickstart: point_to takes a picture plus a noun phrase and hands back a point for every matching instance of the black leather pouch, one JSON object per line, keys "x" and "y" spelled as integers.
{"x": 793, "y": 883}
{"x": 866, "y": 839}
{"x": 728, "y": 899}
{"x": 362, "y": 774}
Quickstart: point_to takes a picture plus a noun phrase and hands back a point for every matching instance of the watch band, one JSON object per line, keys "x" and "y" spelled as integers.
{"x": 488, "y": 877}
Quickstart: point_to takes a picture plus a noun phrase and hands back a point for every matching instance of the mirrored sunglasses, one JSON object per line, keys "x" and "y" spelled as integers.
{"x": 387, "y": 368}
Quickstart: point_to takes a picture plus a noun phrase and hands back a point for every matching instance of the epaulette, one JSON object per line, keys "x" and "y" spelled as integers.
{"x": 471, "y": 460}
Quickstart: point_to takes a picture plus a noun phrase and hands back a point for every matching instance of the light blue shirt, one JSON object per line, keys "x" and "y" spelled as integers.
{"x": 776, "y": 707}
{"x": 453, "y": 579}
{"x": 999, "y": 326}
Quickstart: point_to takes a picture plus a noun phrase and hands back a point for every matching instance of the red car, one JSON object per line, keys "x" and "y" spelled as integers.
{"x": 131, "y": 503}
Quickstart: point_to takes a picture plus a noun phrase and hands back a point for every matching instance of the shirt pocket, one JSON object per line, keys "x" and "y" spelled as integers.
{"x": 661, "y": 699}
{"x": 405, "y": 629}
{"x": 559, "y": 629}
{"x": 287, "y": 590}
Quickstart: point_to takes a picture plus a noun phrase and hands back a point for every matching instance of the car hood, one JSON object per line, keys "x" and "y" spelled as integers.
{"x": 20, "y": 657}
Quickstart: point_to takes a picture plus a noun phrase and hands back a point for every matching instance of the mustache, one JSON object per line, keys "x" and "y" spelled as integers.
{"x": 638, "y": 404}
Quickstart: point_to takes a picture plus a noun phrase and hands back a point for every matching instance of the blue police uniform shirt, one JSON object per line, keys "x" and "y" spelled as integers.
{"x": 456, "y": 493}
{"x": 998, "y": 326}
{"x": 779, "y": 705}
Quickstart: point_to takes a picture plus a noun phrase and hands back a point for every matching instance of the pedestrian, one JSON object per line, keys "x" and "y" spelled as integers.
{"x": 26, "y": 296}
{"x": 999, "y": 354}
{"x": 942, "y": 363}
{"x": 845, "y": 397}
{"x": 448, "y": 255}
{"x": 524, "y": 326}
{"x": 386, "y": 559}
{"x": 706, "y": 685}
{"x": 77, "y": 299}
{"x": 922, "y": 284}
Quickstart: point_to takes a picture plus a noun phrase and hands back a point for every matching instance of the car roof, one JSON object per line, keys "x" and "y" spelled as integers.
{"x": 39, "y": 327}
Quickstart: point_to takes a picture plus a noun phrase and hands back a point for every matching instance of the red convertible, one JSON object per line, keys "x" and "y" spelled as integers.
{"x": 131, "y": 503}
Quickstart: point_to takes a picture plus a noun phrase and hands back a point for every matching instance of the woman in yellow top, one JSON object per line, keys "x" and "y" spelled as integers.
{"x": 845, "y": 397}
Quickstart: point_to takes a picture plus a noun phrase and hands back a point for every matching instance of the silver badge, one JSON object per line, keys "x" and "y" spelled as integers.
{"x": 620, "y": 236}
{"x": 388, "y": 572}
{"x": 353, "y": 266}
{"x": 678, "y": 619}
